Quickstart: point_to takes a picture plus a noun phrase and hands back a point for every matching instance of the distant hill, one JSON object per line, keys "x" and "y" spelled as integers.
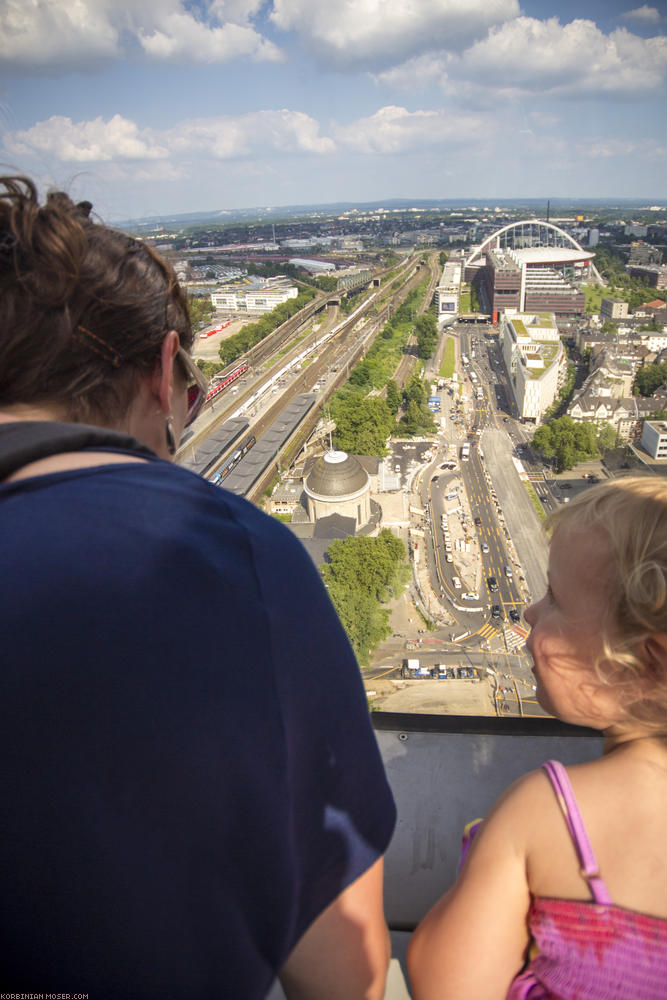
{"x": 270, "y": 213}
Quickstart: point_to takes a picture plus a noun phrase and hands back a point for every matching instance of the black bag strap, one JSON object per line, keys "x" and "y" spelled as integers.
{"x": 25, "y": 441}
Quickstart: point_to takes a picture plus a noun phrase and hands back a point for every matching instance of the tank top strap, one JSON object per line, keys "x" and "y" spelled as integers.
{"x": 565, "y": 796}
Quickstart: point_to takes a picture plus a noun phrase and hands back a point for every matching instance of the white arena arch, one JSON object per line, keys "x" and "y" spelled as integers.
{"x": 529, "y": 233}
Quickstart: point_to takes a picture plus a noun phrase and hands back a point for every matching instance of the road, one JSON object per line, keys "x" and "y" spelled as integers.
{"x": 506, "y": 549}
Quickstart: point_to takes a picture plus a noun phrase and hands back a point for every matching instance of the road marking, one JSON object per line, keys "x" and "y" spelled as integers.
{"x": 384, "y": 674}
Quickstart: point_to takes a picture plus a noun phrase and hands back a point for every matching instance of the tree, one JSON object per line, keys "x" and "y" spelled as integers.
{"x": 567, "y": 441}
{"x": 426, "y": 329}
{"x": 360, "y": 375}
{"x": 417, "y": 419}
{"x": 360, "y": 574}
{"x": 649, "y": 378}
{"x": 209, "y": 368}
{"x": 607, "y": 437}
{"x": 415, "y": 389}
{"x": 543, "y": 441}
{"x": 362, "y": 425}
{"x": 199, "y": 310}
{"x": 393, "y": 396}
{"x": 249, "y": 335}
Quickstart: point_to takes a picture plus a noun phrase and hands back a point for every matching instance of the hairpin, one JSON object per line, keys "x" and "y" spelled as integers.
{"x": 107, "y": 352}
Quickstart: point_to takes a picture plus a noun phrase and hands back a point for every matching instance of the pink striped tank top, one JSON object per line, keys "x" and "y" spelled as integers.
{"x": 590, "y": 951}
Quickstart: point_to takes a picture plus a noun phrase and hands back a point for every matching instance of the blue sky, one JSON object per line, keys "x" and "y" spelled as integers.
{"x": 164, "y": 106}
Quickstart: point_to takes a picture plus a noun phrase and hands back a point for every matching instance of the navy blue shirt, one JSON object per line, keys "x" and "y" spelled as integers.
{"x": 189, "y": 775}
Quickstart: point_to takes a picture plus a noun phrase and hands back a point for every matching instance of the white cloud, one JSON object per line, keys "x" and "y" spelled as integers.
{"x": 177, "y": 35}
{"x": 397, "y": 130}
{"x": 645, "y": 14}
{"x": 227, "y": 136}
{"x": 416, "y": 73}
{"x": 41, "y": 33}
{"x": 119, "y": 139}
{"x": 612, "y": 147}
{"x": 65, "y": 35}
{"x": 528, "y": 57}
{"x": 86, "y": 142}
{"x": 384, "y": 32}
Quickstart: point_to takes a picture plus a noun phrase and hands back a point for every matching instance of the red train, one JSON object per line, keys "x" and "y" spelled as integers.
{"x": 224, "y": 381}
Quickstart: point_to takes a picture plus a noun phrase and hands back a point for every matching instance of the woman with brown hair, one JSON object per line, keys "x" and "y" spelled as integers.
{"x": 192, "y": 794}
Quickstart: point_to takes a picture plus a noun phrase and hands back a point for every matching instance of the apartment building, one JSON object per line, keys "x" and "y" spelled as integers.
{"x": 535, "y": 360}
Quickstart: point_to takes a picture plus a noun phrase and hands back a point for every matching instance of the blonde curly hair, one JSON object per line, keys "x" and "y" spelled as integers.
{"x": 631, "y": 512}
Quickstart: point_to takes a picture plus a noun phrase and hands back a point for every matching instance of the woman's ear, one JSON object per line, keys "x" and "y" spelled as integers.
{"x": 163, "y": 376}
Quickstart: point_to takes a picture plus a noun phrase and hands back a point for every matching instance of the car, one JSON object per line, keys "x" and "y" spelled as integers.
{"x": 442, "y": 672}
{"x": 485, "y": 547}
{"x": 456, "y": 583}
{"x": 508, "y": 572}
{"x": 566, "y": 486}
{"x": 496, "y": 611}
{"x": 449, "y": 557}
{"x": 514, "y": 615}
{"x": 478, "y": 521}
{"x": 470, "y": 596}
{"x": 492, "y": 584}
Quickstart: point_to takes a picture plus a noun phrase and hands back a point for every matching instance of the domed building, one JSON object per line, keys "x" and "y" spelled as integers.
{"x": 338, "y": 484}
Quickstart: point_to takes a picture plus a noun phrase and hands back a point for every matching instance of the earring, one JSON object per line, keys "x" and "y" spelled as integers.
{"x": 169, "y": 431}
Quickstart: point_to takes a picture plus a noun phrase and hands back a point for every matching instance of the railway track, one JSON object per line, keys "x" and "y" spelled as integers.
{"x": 335, "y": 353}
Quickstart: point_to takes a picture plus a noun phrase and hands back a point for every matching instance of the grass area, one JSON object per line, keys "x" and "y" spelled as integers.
{"x": 449, "y": 359}
{"x": 595, "y": 294}
{"x": 539, "y": 510}
{"x": 532, "y": 329}
{"x": 464, "y": 299}
{"x": 285, "y": 518}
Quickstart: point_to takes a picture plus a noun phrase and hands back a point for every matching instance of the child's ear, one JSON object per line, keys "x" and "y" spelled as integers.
{"x": 656, "y": 653}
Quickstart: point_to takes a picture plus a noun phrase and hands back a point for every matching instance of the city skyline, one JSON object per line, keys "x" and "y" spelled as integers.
{"x": 172, "y": 107}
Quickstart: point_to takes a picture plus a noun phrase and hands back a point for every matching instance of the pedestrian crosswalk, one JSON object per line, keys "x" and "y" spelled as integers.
{"x": 514, "y": 635}
{"x": 515, "y": 638}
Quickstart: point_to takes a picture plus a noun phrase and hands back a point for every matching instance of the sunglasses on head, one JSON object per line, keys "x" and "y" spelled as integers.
{"x": 197, "y": 385}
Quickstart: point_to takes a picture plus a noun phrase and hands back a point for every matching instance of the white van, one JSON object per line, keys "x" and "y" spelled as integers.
{"x": 456, "y": 582}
